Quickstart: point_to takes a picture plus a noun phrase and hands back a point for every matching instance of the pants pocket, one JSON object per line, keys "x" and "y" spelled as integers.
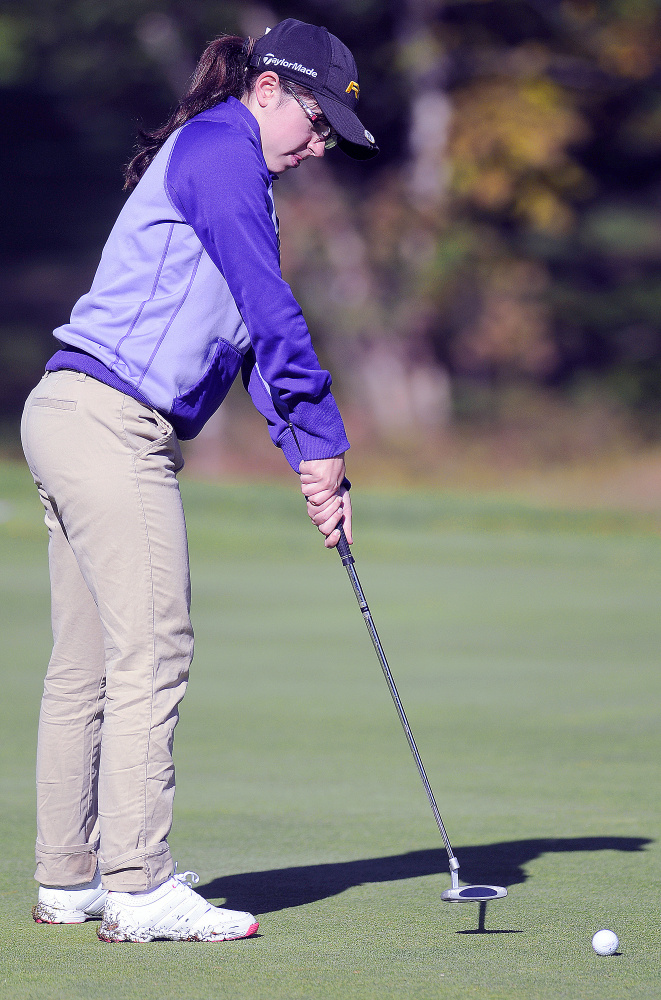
{"x": 55, "y": 404}
{"x": 148, "y": 432}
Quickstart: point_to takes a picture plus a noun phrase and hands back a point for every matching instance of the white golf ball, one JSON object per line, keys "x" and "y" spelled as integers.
{"x": 605, "y": 942}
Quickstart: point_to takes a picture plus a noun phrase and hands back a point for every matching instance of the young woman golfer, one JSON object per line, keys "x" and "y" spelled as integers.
{"x": 187, "y": 294}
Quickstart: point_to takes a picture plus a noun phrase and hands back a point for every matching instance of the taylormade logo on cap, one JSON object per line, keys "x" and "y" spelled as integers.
{"x": 271, "y": 60}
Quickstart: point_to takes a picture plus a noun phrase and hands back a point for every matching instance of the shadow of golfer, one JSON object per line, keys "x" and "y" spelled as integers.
{"x": 499, "y": 864}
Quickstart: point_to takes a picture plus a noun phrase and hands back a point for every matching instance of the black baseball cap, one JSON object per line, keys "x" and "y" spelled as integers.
{"x": 320, "y": 62}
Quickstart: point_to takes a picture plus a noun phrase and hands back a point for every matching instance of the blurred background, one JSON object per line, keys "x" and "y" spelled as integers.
{"x": 486, "y": 293}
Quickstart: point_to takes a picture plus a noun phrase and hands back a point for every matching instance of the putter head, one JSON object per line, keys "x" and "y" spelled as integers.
{"x": 473, "y": 893}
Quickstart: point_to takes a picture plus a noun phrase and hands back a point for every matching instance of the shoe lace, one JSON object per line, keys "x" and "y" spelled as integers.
{"x": 185, "y": 876}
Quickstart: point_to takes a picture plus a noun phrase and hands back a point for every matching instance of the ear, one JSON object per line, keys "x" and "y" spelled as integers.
{"x": 267, "y": 87}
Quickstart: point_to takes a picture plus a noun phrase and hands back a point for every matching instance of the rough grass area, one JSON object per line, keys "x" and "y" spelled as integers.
{"x": 525, "y": 643}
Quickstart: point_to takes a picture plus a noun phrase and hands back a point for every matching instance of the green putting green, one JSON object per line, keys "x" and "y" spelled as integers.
{"x": 525, "y": 644}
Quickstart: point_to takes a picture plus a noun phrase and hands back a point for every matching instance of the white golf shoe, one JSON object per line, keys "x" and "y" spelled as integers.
{"x": 70, "y": 905}
{"x": 172, "y": 911}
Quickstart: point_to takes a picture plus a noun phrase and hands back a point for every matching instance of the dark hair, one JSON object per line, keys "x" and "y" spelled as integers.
{"x": 222, "y": 72}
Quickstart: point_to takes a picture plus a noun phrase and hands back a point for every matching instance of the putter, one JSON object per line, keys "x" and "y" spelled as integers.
{"x": 457, "y": 893}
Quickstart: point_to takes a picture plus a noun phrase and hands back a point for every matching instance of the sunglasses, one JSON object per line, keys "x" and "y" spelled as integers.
{"x": 320, "y": 125}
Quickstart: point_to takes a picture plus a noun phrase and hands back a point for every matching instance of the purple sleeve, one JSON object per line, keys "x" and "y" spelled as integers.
{"x": 219, "y": 182}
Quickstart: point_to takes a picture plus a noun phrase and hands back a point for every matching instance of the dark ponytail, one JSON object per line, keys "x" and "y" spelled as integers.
{"x": 222, "y": 72}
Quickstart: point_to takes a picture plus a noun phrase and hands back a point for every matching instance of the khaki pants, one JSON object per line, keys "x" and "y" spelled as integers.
{"x": 105, "y": 467}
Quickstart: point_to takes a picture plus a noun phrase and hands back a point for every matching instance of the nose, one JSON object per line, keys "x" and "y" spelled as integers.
{"x": 317, "y": 145}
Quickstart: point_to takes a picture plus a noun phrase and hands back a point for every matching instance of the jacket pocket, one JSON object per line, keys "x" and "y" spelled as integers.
{"x": 191, "y": 410}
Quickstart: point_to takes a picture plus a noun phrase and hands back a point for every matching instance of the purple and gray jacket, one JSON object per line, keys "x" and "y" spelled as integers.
{"x": 189, "y": 291}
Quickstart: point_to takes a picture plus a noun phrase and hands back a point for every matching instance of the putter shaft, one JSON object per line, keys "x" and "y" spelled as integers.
{"x": 344, "y": 551}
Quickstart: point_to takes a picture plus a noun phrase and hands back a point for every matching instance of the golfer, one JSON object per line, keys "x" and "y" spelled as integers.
{"x": 188, "y": 294}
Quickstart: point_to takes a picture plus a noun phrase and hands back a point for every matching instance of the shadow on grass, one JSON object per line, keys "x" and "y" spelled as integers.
{"x": 481, "y": 929}
{"x": 500, "y": 864}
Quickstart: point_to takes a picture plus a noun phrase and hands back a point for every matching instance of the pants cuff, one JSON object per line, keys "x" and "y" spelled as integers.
{"x": 137, "y": 871}
{"x": 65, "y": 865}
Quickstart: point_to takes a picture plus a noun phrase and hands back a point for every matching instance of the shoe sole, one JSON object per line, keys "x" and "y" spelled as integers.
{"x": 42, "y": 914}
{"x": 113, "y": 936}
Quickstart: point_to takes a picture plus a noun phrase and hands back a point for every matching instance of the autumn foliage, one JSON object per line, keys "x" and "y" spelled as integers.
{"x": 507, "y": 238}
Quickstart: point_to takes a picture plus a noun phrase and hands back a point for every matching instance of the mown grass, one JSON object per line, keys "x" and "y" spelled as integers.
{"x": 525, "y": 644}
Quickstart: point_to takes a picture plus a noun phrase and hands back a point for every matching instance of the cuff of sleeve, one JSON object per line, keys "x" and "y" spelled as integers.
{"x": 294, "y": 456}
{"x": 315, "y": 431}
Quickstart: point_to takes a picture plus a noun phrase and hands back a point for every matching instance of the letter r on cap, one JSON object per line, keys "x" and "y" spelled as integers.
{"x": 353, "y": 88}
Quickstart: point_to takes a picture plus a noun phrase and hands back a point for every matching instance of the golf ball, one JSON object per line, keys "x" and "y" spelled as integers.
{"x": 605, "y": 942}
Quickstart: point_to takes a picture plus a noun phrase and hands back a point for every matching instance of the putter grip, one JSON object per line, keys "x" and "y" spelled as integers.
{"x": 344, "y": 549}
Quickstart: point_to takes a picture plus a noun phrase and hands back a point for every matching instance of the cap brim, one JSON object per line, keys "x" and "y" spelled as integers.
{"x": 352, "y": 134}
{"x": 355, "y": 151}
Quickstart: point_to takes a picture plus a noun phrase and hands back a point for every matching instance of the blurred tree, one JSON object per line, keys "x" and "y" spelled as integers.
{"x": 555, "y": 151}
{"x": 518, "y": 239}
{"x": 508, "y": 233}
